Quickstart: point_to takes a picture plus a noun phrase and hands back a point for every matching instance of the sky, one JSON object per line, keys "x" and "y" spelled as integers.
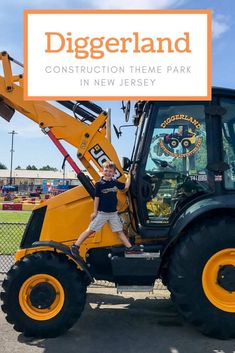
{"x": 31, "y": 146}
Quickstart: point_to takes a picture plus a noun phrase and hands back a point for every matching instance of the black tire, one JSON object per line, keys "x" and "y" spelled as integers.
{"x": 185, "y": 272}
{"x": 174, "y": 143}
{"x": 186, "y": 143}
{"x": 65, "y": 304}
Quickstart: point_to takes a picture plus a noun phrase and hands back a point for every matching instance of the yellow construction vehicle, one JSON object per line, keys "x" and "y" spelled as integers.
{"x": 180, "y": 209}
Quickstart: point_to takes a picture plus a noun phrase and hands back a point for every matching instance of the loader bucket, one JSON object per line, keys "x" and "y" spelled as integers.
{"x": 6, "y": 112}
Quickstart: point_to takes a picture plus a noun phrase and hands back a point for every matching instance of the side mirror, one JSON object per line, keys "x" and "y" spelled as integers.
{"x": 126, "y": 110}
{"x": 126, "y": 163}
{"x": 117, "y": 132}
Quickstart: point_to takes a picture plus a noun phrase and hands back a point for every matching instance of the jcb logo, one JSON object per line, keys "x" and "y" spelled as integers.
{"x": 100, "y": 157}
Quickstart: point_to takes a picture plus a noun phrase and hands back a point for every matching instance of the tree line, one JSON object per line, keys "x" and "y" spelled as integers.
{"x": 31, "y": 167}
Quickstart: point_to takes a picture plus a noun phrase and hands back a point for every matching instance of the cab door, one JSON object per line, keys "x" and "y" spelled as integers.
{"x": 171, "y": 162}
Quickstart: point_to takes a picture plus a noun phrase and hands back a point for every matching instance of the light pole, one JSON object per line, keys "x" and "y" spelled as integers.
{"x": 12, "y": 133}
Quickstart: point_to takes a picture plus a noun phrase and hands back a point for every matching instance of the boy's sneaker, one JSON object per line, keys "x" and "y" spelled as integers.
{"x": 74, "y": 249}
{"x": 134, "y": 249}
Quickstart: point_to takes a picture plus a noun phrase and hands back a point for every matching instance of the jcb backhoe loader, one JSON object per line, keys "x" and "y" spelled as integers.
{"x": 180, "y": 208}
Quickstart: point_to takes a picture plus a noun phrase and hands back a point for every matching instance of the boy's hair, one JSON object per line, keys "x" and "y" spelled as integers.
{"x": 109, "y": 164}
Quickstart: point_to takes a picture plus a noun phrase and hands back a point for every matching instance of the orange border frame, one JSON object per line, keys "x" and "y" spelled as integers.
{"x": 157, "y": 98}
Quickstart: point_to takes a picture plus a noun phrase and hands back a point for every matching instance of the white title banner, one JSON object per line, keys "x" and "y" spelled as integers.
{"x": 129, "y": 54}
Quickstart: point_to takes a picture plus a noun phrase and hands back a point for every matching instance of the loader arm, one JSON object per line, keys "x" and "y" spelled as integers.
{"x": 88, "y": 136}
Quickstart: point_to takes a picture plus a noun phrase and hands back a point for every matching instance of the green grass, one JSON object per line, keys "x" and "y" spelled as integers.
{"x": 11, "y": 234}
{"x": 15, "y": 216}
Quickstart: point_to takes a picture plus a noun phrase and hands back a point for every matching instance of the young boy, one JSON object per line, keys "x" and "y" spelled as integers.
{"x": 105, "y": 209}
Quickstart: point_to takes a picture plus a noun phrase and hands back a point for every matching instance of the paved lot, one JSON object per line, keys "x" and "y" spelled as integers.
{"x": 114, "y": 323}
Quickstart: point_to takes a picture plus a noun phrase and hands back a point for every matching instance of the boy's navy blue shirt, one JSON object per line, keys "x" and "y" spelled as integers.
{"x": 106, "y": 190}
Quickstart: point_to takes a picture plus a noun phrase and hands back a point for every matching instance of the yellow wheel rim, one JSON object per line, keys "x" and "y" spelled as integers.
{"x": 32, "y": 287}
{"x": 217, "y": 295}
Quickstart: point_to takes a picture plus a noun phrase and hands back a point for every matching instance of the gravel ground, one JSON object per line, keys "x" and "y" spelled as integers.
{"x": 111, "y": 323}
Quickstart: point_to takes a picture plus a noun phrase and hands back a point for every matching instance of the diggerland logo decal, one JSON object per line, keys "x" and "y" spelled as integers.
{"x": 183, "y": 141}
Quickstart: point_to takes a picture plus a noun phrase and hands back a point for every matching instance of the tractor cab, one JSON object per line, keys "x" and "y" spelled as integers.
{"x": 185, "y": 152}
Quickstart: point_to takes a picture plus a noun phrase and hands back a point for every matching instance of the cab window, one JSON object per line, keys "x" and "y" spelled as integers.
{"x": 176, "y": 160}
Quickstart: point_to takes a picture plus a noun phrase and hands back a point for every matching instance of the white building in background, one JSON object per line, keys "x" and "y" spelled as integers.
{"x": 31, "y": 179}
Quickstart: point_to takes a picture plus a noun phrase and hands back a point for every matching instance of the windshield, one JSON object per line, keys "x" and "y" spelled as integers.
{"x": 177, "y": 158}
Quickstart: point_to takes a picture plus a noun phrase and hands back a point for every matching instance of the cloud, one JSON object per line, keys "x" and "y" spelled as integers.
{"x": 105, "y": 4}
{"x": 220, "y": 25}
{"x": 25, "y": 128}
{"x": 30, "y": 132}
{"x": 134, "y": 4}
